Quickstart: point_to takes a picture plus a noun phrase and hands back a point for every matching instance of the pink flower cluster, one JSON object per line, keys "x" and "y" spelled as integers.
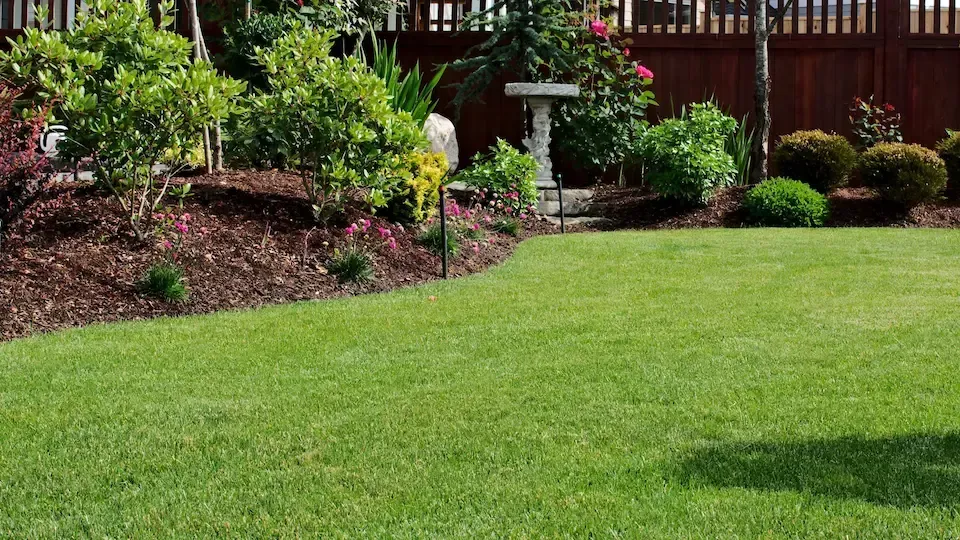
{"x": 599, "y": 27}
{"x": 358, "y": 233}
{"x": 172, "y": 230}
{"x": 644, "y": 72}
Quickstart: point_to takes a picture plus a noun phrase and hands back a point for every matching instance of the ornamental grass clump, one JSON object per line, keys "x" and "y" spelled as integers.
{"x": 353, "y": 261}
{"x": 822, "y": 161}
{"x": 904, "y": 174}
{"x": 782, "y": 202}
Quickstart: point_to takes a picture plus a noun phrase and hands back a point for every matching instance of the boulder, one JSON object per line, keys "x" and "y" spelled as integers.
{"x": 443, "y": 138}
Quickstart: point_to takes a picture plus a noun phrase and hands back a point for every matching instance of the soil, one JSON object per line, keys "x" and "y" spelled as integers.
{"x": 79, "y": 265}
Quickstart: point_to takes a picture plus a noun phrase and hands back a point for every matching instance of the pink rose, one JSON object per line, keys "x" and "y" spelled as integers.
{"x": 599, "y": 28}
{"x": 626, "y": 52}
{"x": 644, "y": 72}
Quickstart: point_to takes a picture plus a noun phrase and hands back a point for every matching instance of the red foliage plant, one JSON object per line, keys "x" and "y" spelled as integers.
{"x": 24, "y": 170}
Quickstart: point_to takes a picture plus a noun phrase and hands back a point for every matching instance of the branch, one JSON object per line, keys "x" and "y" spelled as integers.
{"x": 779, "y": 17}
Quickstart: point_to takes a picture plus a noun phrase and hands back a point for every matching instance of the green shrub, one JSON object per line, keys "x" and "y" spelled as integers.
{"x": 781, "y": 202}
{"x": 685, "y": 157}
{"x": 164, "y": 281}
{"x": 129, "y": 92}
{"x": 244, "y": 36}
{"x": 906, "y": 174}
{"x": 332, "y": 120}
{"x": 415, "y": 199}
{"x": 432, "y": 239}
{"x": 412, "y": 93}
{"x": 508, "y": 177}
{"x": 949, "y": 151}
{"x": 822, "y": 161}
{"x": 352, "y": 266}
{"x": 506, "y": 225}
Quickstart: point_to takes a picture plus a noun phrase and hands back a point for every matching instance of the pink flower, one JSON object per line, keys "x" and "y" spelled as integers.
{"x": 366, "y": 224}
{"x": 644, "y": 72}
{"x": 475, "y": 226}
{"x": 626, "y": 52}
{"x": 523, "y": 216}
{"x": 491, "y": 239}
{"x": 185, "y": 217}
{"x": 167, "y": 244}
{"x": 487, "y": 219}
{"x": 351, "y": 229}
{"x": 203, "y": 230}
{"x": 476, "y": 247}
{"x": 392, "y": 243}
{"x": 599, "y": 28}
{"x": 384, "y": 233}
{"x": 182, "y": 227}
{"x": 158, "y": 216}
{"x": 171, "y": 217}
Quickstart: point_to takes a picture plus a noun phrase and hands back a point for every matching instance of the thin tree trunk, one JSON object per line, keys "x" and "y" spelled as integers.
{"x": 217, "y": 150}
{"x": 198, "y": 52}
{"x": 761, "y": 138}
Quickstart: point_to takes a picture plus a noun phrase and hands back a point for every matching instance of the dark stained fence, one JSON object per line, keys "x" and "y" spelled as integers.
{"x": 823, "y": 54}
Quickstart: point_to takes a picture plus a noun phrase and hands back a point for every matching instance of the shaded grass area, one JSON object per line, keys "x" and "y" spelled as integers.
{"x": 705, "y": 383}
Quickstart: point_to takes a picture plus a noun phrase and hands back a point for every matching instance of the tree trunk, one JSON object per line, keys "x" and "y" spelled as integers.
{"x": 198, "y": 53}
{"x": 761, "y": 138}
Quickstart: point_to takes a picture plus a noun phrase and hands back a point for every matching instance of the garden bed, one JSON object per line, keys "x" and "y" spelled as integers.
{"x": 79, "y": 265}
{"x": 640, "y": 208}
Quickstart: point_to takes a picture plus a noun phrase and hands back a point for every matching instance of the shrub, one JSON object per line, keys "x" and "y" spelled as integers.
{"x": 781, "y": 202}
{"x": 165, "y": 281}
{"x": 907, "y": 174}
{"x": 332, "y": 120}
{"x": 244, "y": 36}
{"x": 506, "y": 225}
{"x": 412, "y": 93}
{"x": 128, "y": 91}
{"x": 949, "y": 151}
{"x": 23, "y": 171}
{"x": 506, "y": 177}
{"x": 352, "y": 267}
{"x": 874, "y": 124}
{"x": 822, "y": 161}
{"x": 432, "y": 239}
{"x": 414, "y": 199}
{"x": 685, "y": 157}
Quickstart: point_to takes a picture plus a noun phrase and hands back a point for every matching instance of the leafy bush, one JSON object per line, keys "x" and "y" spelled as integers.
{"x": 244, "y": 36}
{"x": 685, "y": 157}
{"x": 506, "y": 176}
{"x": 352, "y": 267}
{"x": 874, "y": 124}
{"x": 949, "y": 151}
{"x": 414, "y": 199}
{"x": 332, "y": 120}
{"x": 432, "y": 239}
{"x": 165, "y": 281}
{"x": 822, "y": 161}
{"x": 907, "y": 174}
{"x": 23, "y": 171}
{"x": 128, "y": 91}
{"x": 599, "y": 129}
{"x": 411, "y": 93}
{"x": 781, "y": 202}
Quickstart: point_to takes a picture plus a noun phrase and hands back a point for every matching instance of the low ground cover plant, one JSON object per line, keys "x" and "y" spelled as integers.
{"x": 949, "y": 151}
{"x": 905, "y": 174}
{"x": 129, "y": 92}
{"x": 782, "y": 202}
{"x": 685, "y": 157}
{"x": 505, "y": 178}
{"x": 822, "y": 161}
{"x": 332, "y": 121}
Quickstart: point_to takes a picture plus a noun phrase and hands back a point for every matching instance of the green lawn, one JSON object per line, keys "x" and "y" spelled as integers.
{"x": 670, "y": 384}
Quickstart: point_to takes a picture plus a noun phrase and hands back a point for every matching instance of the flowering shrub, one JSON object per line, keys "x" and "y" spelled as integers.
{"x": 332, "y": 120}
{"x": 781, "y": 202}
{"x": 129, "y": 91}
{"x": 874, "y": 124}
{"x": 906, "y": 174}
{"x": 414, "y": 199}
{"x": 822, "y": 161}
{"x": 685, "y": 157}
{"x": 353, "y": 262}
{"x": 600, "y": 129}
{"x": 949, "y": 151}
{"x": 23, "y": 171}
{"x": 505, "y": 178}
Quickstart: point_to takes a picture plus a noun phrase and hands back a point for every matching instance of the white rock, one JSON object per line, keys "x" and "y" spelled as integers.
{"x": 443, "y": 138}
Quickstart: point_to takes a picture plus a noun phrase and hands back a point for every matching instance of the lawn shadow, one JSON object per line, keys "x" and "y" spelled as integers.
{"x": 902, "y": 471}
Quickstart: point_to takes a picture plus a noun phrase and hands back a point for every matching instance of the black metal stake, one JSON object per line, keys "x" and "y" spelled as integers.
{"x": 563, "y": 224}
{"x": 443, "y": 227}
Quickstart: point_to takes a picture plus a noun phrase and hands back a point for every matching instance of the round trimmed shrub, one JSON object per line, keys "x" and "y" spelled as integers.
{"x": 906, "y": 174}
{"x": 822, "y": 161}
{"x": 949, "y": 151}
{"x": 782, "y": 202}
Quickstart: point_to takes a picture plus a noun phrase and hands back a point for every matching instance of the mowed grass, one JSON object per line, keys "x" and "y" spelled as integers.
{"x": 651, "y": 384}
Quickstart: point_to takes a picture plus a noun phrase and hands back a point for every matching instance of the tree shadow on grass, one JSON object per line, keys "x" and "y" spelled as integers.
{"x": 902, "y": 471}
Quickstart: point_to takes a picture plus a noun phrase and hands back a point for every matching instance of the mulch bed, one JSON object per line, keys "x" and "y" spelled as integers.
{"x": 79, "y": 265}
{"x": 639, "y": 208}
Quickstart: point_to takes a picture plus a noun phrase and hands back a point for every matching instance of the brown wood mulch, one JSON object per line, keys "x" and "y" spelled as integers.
{"x": 78, "y": 265}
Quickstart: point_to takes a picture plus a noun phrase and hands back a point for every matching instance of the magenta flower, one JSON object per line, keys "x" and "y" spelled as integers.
{"x": 475, "y": 226}
{"x": 392, "y": 243}
{"x": 158, "y": 216}
{"x": 185, "y": 217}
{"x": 182, "y": 227}
{"x": 599, "y": 28}
{"x": 626, "y": 52}
{"x": 644, "y": 72}
{"x": 167, "y": 244}
{"x": 487, "y": 219}
{"x": 384, "y": 233}
{"x": 523, "y": 216}
{"x": 351, "y": 229}
{"x": 366, "y": 224}
{"x": 476, "y": 247}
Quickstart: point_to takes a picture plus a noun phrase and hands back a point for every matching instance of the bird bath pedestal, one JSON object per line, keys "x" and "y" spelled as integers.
{"x": 540, "y": 97}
